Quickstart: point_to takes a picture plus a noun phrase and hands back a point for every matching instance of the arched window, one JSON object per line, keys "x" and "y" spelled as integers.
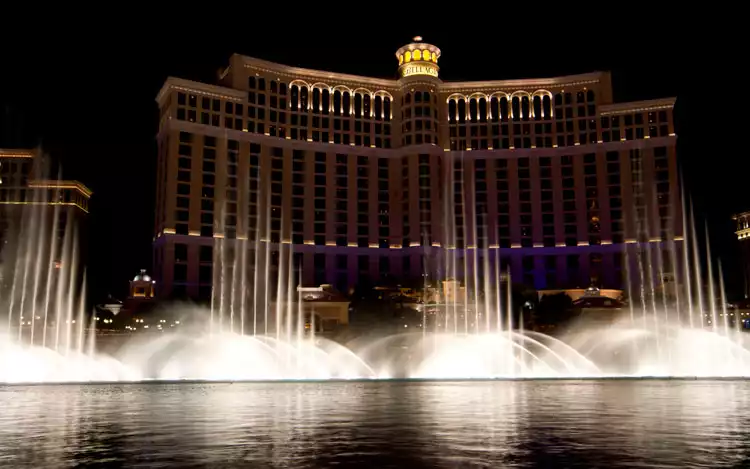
{"x": 387, "y": 109}
{"x": 417, "y": 97}
{"x": 525, "y": 108}
{"x": 347, "y": 103}
{"x": 558, "y": 99}
{"x": 303, "y": 98}
{"x": 494, "y": 109}
{"x": 378, "y": 108}
{"x": 325, "y": 101}
{"x": 516, "y": 111}
{"x": 590, "y": 96}
{"x": 538, "y": 109}
{"x": 316, "y": 101}
{"x": 425, "y": 97}
{"x": 461, "y": 110}
{"x": 337, "y": 103}
{"x": 452, "y": 109}
{"x": 294, "y": 98}
{"x": 504, "y": 109}
{"x": 482, "y": 110}
{"x": 407, "y": 98}
{"x": 366, "y": 102}
{"x": 358, "y": 105}
{"x": 473, "y": 110}
{"x": 547, "y": 107}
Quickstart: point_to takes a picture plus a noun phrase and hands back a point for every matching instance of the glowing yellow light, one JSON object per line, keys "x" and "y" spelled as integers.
{"x": 421, "y": 69}
{"x": 401, "y": 59}
{"x": 417, "y": 54}
{"x": 407, "y": 57}
{"x": 434, "y": 57}
{"x": 374, "y": 245}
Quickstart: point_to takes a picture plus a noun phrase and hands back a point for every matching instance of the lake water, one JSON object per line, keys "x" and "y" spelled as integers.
{"x": 610, "y": 423}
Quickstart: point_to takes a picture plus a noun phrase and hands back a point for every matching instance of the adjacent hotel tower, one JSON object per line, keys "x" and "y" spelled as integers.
{"x": 351, "y": 180}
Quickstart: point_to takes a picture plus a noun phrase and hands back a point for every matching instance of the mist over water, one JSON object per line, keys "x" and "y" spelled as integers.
{"x": 256, "y": 327}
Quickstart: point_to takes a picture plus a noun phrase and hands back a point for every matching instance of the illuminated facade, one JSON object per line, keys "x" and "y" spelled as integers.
{"x": 22, "y": 187}
{"x": 743, "y": 236}
{"x": 351, "y": 180}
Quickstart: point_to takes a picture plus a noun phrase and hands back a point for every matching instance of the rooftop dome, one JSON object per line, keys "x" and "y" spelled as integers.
{"x": 418, "y": 58}
{"x": 142, "y": 277}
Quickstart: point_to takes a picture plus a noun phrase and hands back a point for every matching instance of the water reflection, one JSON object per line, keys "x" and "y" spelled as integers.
{"x": 379, "y": 424}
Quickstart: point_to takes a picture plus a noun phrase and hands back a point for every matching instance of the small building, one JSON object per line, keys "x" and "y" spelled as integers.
{"x": 142, "y": 286}
{"x": 578, "y": 293}
{"x": 328, "y": 307}
{"x": 593, "y": 307}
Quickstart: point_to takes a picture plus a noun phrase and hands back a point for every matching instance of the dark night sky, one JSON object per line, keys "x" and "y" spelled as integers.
{"x": 87, "y": 93}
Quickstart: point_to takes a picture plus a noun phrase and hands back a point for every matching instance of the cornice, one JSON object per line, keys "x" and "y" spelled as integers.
{"x": 636, "y": 106}
{"x": 203, "y": 89}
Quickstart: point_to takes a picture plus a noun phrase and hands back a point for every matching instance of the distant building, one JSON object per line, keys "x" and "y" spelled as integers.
{"x": 743, "y": 235}
{"x": 31, "y": 208}
{"x": 141, "y": 295}
{"x": 578, "y": 293}
{"x": 599, "y": 309}
{"x": 326, "y": 306}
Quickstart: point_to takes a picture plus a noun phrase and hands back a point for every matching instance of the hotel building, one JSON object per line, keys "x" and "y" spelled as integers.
{"x": 354, "y": 180}
{"x": 31, "y": 206}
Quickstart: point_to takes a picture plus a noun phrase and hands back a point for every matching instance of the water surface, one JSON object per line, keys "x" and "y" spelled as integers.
{"x": 610, "y": 423}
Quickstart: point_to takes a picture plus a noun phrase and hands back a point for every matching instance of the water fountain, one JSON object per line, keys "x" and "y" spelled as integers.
{"x": 473, "y": 331}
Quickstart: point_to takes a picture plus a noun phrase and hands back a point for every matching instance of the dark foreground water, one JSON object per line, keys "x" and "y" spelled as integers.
{"x": 378, "y": 424}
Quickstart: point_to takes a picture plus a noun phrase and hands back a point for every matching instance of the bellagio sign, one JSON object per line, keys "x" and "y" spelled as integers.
{"x": 419, "y": 69}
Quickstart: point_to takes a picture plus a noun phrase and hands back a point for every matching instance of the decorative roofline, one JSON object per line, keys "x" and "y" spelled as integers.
{"x": 297, "y": 72}
{"x": 17, "y": 153}
{"x": 554, "y": 82}
{"x": 55, "y": 184}
{"x": 636, "y": 106}
{"x": 197, "y": 87}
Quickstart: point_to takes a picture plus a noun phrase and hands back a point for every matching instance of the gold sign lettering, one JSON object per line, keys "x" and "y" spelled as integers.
{"x": 419, "y": 69}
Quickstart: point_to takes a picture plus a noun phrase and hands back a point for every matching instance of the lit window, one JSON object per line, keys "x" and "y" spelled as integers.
{"x": 407, "y": 56}
{"x": 401, "y": 59}
{"x": 417, "y": 54}
{"x": 434, "y": 57}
